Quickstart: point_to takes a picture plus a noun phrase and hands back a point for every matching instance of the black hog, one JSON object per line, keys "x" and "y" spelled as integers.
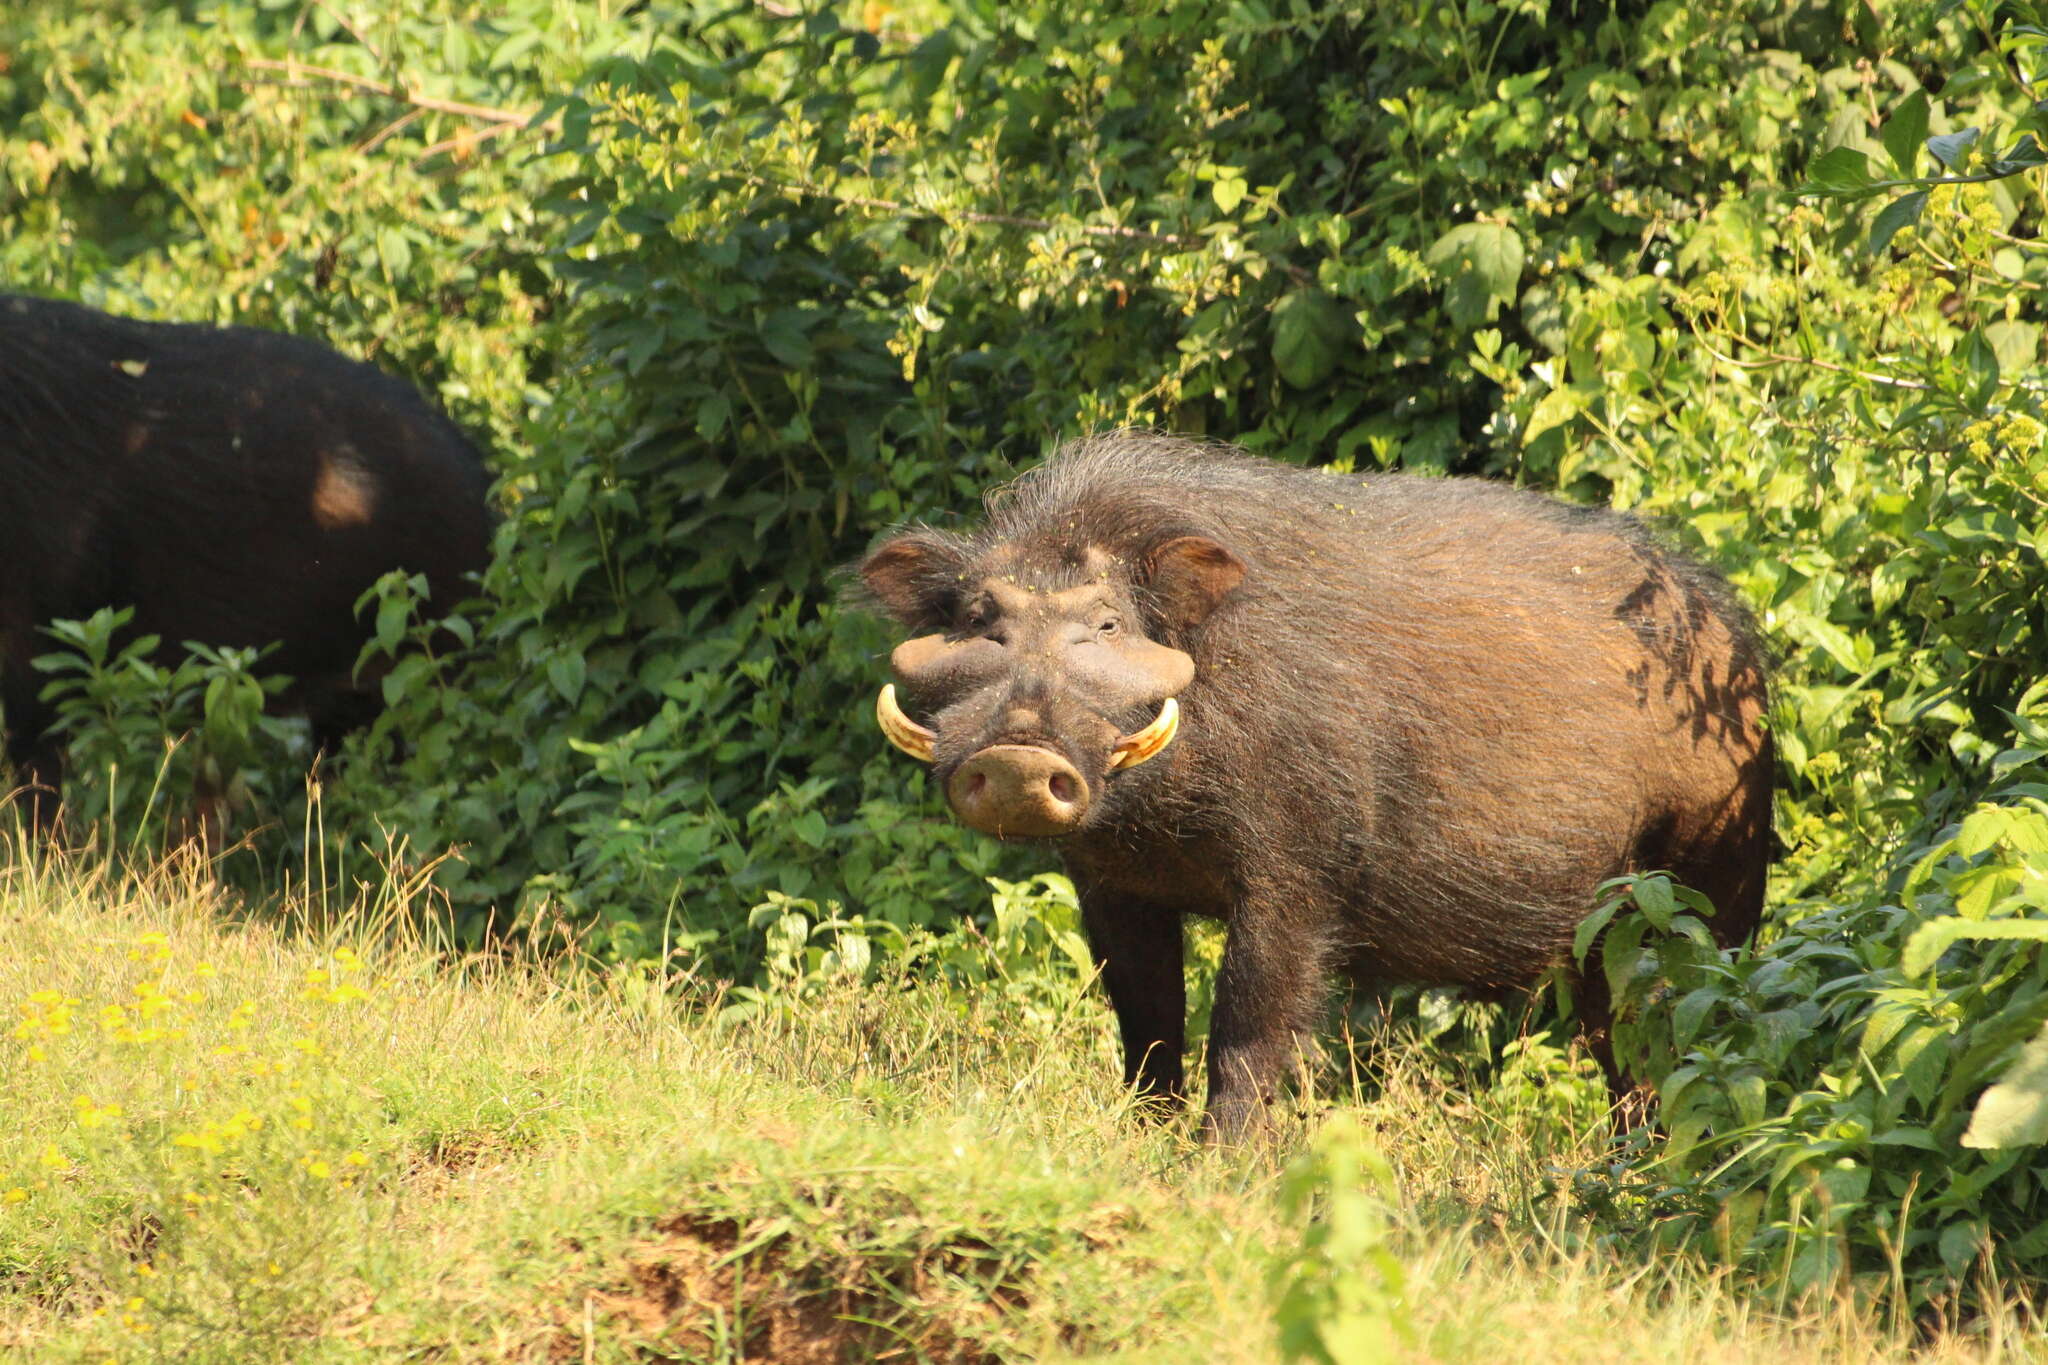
{"x": 1399, "y": 725}
{"x": 236, "y": 487}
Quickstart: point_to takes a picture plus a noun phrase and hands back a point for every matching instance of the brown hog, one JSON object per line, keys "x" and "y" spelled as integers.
{"x": 1399, "y": 725}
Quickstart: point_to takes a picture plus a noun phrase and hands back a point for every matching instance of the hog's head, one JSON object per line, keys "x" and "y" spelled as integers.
{"x": 1041, "y": 671}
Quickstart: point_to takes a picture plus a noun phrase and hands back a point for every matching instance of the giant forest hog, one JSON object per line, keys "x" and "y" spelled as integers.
{"x": 1396, "y": 725}
{"x": 236, "y": 487}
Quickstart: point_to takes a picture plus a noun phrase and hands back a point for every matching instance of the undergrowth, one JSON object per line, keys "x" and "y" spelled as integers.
{"x": 318, "y": 1134}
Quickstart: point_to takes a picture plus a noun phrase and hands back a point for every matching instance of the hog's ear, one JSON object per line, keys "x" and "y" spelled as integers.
{"x": 1189, "y": 576}
{"x": 915, "y": 577}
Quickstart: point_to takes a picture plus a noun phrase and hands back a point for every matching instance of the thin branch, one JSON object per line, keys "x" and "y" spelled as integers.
{"x": 469, "y": 138}
{"x": 353, "y": 32}
{"x": 376, "y": 139}
{"x": 1771, "y": 358}
{"x": 298, "y": 69}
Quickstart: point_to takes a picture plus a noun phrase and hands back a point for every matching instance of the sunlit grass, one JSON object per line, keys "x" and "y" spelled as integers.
{"x": 324, "y": 1137}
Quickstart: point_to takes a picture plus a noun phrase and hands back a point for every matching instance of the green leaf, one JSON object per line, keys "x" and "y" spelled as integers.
{"x": 1747, "y": 1094}
{"x": 1310, "y": 335}
{"x": 1653, "y": 897}
{"x": 1937, "y": 936}
{"x": 712, "y": 415}
{"x": 1949, "y": 148}
{"x": 1982, "y": 359}
{"x": 1904, "y": 131}
{"x": 2021, "y": 156}
{"x": 1958, "y": 1245}
{"x": 1982, "y": 829}
{"x": 1902, "y": 212}
{"x": 1842, "y": 172}
{"x": 1692, "y": 1011}
{"x": 566, "y": 674}
{"x": 2014, "y": 1111}
{"x": 1590, "y": 927}
{"x": 1229, "y": 192}
{"x": 393, "y": 613}
{"x": 1554, "y": 410}
{"x": 1480, "y": 265}
{"x": 2015, "y": 344}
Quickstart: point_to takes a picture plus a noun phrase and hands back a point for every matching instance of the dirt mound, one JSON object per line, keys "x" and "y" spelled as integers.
{"x": 705, "y": 1289}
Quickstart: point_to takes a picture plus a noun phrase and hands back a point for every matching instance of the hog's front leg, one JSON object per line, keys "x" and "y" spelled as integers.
{"x": 1138, "y": 949}
{"x": 1269, "y": 993}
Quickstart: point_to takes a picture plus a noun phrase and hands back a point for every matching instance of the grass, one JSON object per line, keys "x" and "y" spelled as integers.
{"x": 321, "y": 1137}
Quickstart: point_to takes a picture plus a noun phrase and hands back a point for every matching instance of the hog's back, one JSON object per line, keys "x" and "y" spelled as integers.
{"x": 1516, "y": 699}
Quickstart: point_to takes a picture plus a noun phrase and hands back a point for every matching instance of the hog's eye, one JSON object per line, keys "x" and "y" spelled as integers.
{"x": 976, "y": 619}
{"x": 1109, "y": 626}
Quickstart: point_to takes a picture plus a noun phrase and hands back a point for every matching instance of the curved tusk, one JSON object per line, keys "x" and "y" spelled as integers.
{"x": 900, "y": 730}
{"x": 1134, "y": 749}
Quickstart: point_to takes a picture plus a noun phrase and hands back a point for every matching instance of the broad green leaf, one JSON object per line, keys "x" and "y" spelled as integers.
{"x": 1982, "y": 829}
{"x": 1902, "y": 212}
{"x": 1904, "y": 131}
{"x": 1959, "y": 1244}
{"x": 2021, "y": 156}
{"x": 1590, "y": 927}
{"x": 1843, "y": 171}
{"x": 1310, "y": 335}
{"x": 566, "y": 672}
{"x": 1950, "y": 148}
{"x": 2014, "y": 1111}
{"x": 2016, "y": 344}
{"x": 1480, "y": 265}
{"x": 1937, "y": 936}
{"x": 1653, "y": 897}
{"x": 1553, "y": 410}
{"x": 1747, "y": 1094}
{"x": 1691, "y": 1012}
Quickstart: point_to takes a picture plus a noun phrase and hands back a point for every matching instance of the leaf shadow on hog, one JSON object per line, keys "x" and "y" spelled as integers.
{"x": 1391, "y": 725}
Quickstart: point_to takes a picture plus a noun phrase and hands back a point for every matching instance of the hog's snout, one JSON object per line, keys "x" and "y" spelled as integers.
{"x": 1018, "y": 791}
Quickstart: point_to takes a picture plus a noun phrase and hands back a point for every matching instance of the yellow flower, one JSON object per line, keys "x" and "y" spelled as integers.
{"x": 52, "y": 1159}
{"x": 318, "y": 1169}
{"x": 17, "y": 1195}
{"x": 92, "y": 1115}
{"x": 355, "y": 1159}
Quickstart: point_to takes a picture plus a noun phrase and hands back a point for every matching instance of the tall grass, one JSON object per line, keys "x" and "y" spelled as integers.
{"x": 320, "y": 1135}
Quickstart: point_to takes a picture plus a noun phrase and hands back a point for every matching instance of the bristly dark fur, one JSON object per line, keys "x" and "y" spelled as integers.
{"x": 235, "y": 486}
{"x": 1434, "y": 715}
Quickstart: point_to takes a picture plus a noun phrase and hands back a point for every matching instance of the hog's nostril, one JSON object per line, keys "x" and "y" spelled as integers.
{"x": 1018, "y": 791}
